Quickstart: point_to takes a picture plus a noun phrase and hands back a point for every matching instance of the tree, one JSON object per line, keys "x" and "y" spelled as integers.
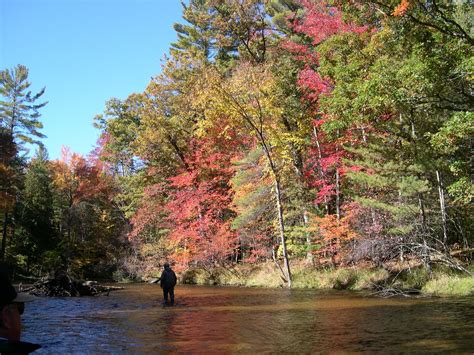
{"x": 36, "y": 211}
{"x": 223, "y": 31}
{"x": 8, "y": 183}
{"x": 448, "y": 17}
{"x": 120, "y": 126}
{"x": 317, "y": 26}
{"x": 90, "y": 224}
{"x": 19, "y": 122}
{"x": 195, "y": 38}
{"x": 254, "y": 206}
{"x": 19, "y": 112}
{"x": 246, "y": 102}
{"x": 381, "y": 95}
{"x": 200, "y": 204}
{"x": 348, "y": 122}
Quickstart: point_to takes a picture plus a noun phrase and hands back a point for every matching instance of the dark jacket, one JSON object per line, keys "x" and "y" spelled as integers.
{"x": 168, "y": 278}
{"x": 21, "y": 347}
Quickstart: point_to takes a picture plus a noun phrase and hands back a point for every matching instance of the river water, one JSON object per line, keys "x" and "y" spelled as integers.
{"x": 248, "y": 320}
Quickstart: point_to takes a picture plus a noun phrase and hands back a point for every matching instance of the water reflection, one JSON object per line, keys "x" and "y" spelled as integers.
{"x": 223, "y": 320}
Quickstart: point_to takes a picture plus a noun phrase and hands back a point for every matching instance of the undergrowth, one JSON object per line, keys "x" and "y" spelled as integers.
{"x": 439, "y": 281}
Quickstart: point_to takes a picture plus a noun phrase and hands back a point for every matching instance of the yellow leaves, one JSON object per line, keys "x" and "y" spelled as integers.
{"x": 62, "y": 175}
{"x": 402, "y": 8}
{"x": 246, "y": 95}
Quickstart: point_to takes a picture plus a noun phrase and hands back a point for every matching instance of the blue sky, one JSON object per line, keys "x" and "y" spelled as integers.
{"x": 85, "y": 52}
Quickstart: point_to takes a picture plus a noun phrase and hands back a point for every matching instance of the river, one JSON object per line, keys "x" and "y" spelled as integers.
{"x": 248, "y": 320}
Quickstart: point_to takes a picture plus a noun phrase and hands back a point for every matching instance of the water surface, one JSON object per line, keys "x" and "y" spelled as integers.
{"x": 248, "y": 320}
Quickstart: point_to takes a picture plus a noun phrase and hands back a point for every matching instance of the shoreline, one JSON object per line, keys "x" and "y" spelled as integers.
{"x": 441, "y": 282}
{"x": 396, "y": 280}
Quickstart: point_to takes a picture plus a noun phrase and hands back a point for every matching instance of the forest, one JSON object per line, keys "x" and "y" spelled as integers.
{"x": 296, "y": 134}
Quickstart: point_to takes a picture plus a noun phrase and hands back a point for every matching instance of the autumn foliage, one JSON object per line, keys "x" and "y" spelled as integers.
{"x": 298, "y": 139}
{"x": 278, "y": 130}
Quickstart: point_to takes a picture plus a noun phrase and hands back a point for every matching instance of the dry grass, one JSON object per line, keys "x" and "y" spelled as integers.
{"x": 440, "y": 283}
{"x": 304, "y": 276}
{"x": 449, "y": 285}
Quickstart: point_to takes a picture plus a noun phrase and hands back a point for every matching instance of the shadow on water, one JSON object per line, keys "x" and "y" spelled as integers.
{"x": 223, "y": 320}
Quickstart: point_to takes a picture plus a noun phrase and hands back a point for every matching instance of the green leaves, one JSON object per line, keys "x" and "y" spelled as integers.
{"x": 454, "y": 134}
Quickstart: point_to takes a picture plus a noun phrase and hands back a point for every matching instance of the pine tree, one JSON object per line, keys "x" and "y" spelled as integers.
{"x": 36, "y": 210}
{"x": 8, "y": 181}
{"x": 19, "y": 122}
{"x": 19, "y": 112}
{"x": 195, "y": 37}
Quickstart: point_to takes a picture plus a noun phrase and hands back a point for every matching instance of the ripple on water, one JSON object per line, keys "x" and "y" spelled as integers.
{"x": 208, "y": 319}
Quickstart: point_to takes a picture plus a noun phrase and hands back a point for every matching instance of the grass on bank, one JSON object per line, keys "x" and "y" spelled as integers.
{"x": 439, "y": 282}
{"x": 304, "y": 276}
{"x": 449, "y": 285}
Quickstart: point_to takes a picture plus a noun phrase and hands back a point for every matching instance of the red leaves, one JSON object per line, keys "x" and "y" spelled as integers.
{"x": 195, "y": 205}
{"x": 199, "y": 202}
{"x": 321, "y": 21}
{"x": 313, "y": 84}
{"x": 324, "y": 167}
{"x": 326, "y": 190}
{"x": 301, "y": 52}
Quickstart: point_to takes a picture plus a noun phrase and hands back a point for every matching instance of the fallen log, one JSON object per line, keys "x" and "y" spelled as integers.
{"x": 62, "y": 285}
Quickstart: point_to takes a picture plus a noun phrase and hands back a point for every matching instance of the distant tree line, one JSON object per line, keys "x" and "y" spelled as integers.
{"x": 56, "y": 215}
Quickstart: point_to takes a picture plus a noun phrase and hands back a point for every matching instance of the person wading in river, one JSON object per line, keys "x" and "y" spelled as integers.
{"x": 12, "y": 305}
{"x": 167, "y": 283}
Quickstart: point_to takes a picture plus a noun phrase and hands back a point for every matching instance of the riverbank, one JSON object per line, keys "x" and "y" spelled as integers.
{"x": 440, "y": 282}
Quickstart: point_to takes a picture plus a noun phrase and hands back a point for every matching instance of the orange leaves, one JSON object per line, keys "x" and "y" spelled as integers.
{"x": 330, "y": 228}
{"x": 402, "y": 8}
{"x": 331, "y": 233}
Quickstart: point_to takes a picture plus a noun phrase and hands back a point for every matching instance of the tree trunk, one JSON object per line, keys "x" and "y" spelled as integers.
{"x": 338, "y": 199}
{"x": 282, "y": 231}
{"x": 338, "y": 187}
{"x": 443, "y": 209}
{"x": 424, "y": 229}
{"x": 4, "y": 236}
{"x": 373, "y": 216}
{"x": 298, "y": 166}
{"x": 364, "y": 135}
{"x": 309, "y": 252}
{"x": 422, "y": 213}
{"x": 426, "y": 255}
{"x": 320, "y": 157}
{"x": 258, "y": 126}
{"x": 279, "y": 207}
